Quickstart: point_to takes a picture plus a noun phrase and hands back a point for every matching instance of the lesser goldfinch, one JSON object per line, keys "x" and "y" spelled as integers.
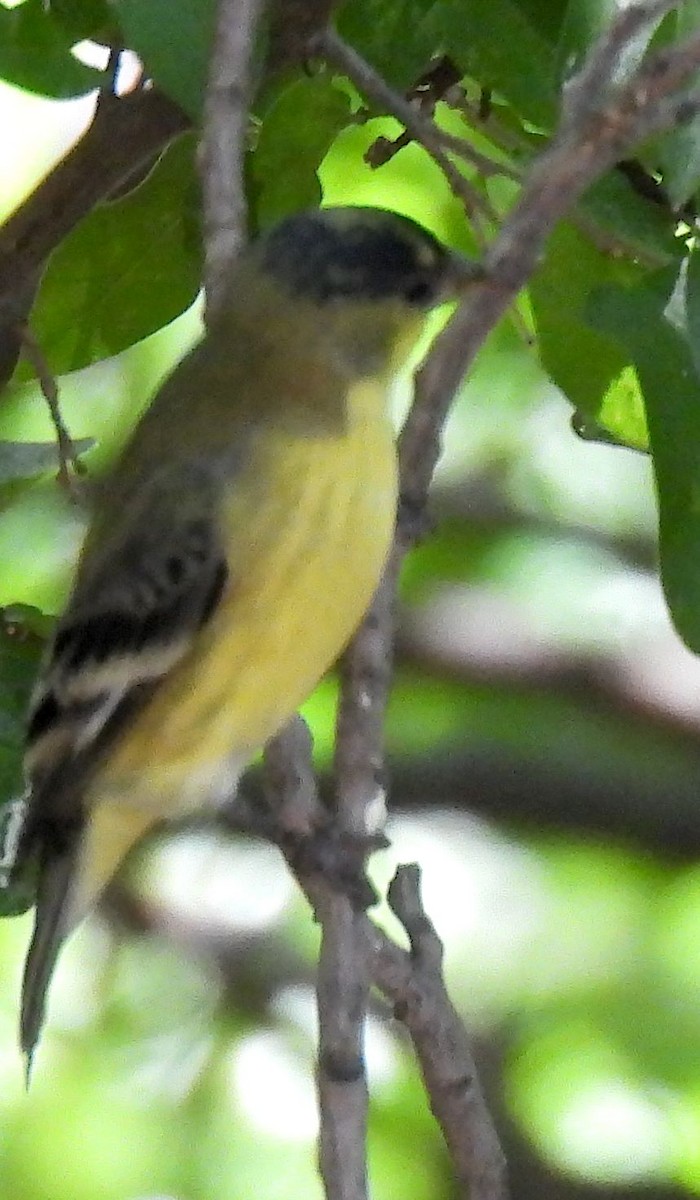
{"x": 233, "y": 551}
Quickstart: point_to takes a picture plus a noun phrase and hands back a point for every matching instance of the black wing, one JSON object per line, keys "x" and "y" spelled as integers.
{"x": 142, "y": 594}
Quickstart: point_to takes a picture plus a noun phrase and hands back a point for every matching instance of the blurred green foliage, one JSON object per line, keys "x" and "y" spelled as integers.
{"x": 182, "y": 1066}
{"x": 111, "y": 283}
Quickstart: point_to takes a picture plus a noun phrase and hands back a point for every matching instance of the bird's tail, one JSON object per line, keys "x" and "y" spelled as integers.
{"x": 56, "y": 873}
{"x": 70, "y": 882}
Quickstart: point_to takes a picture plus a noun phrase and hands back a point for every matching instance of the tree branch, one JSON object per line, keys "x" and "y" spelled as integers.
{"x": 359, "y": 811}
{"x": 411, "y": 981}
{"x": 415, "y": 986}
{"x": 343, "y": 973}
{"x": 223, "y": 142}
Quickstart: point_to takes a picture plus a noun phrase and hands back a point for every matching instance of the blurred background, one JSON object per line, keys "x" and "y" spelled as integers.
{"x": 544, "y": 741}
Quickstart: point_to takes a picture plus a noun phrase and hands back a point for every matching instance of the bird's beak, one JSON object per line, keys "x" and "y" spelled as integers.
{"x": 461, "y": 274}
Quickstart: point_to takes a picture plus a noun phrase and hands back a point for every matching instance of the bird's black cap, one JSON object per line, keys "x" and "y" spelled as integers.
{"x": 359, "y": 254}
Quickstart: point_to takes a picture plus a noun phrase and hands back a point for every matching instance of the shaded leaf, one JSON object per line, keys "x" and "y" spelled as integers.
{"x": 296, "y": 133}
{"x": 398, "y": 39}
{"x": 23, "y": 460}
{"x": 128, "y": 269}
{"x": 592, "y": 370}
{"x": 679, "y": 153}
{"x": 637, "y": 318}
{"x": 546, "y": 16}
{"x": 692, "y": 306}
{"x": 583, "y": 22}
{"x": 590, "y": 431}
{"x": 639, "y": 226}
{"x": 679, "y": 149}
{"x": 495, "y": 42}
{"x": 83, "y": 18}
{"x": 35, "y": 54}
{"x": 173, "y": 40}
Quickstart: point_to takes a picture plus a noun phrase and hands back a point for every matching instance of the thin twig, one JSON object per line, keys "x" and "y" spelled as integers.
{"x": 365, "y": 679}
{"x": 416, "y": 988}
{"x": 291, "y": 783}
{"x": 223, "y": 142}
{"x": 483, "y": 163}
{"x": 68, "y": 460}
{"x": 421, "y": 100}
{"x": 370, "y": 83}
{"x": 509, "y": 141}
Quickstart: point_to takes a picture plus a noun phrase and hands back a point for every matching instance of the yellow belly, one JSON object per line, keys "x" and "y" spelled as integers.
{"x": 311, "y": 530}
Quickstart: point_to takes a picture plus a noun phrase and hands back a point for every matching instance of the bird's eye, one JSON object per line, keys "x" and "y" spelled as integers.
{"x": 419, "y": 292}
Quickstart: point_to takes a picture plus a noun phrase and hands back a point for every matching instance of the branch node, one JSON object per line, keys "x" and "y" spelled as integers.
{"x": 339, "y": 1068}
{"x": 406, "y": 902}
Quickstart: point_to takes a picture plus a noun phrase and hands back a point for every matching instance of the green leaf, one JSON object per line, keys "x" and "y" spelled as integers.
{"x": 592, "y": 370}
{"x": 546, "y": 16}
{"x": 639, "y": 227}
{"x": 295, "y": 136}
{"x": 679, "y": 149}
{"x": 679, "y": 153}
{"x": 174, "y": 41}
{"x": 35, "y": 54}
{"x": 639, "y": 319}
{"x": 692, "y": 305}
{"x": 19, "y": 661}
{"x": 398, "y": 39}
{"x": 585, "y": 21}
{"x": 496, "y": 43}
{"x": 83, "y": 19}
{"x": 24, "y": 460}
{"x": 128, "y": 269}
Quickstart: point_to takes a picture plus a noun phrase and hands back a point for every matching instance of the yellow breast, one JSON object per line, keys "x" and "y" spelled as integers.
{"x": 311, "y": 520}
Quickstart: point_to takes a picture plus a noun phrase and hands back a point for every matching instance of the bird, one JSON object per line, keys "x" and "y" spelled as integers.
{"x": 232, "y": 551}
